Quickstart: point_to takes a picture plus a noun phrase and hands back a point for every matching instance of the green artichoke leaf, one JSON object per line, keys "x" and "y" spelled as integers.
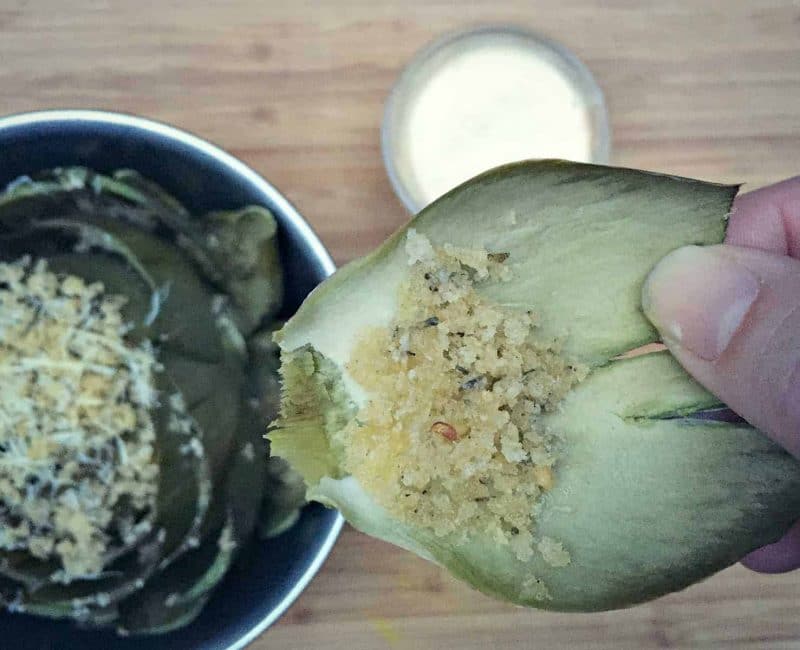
{"x": 265, "y": 361}
{"x": 247, "y": 478}
{"x": 95, "y": 256}
{"x": 168, "y": 596}
{"x": 154, "y": 619}
{"x": 12, "y": 598}
{"x": 187, "y": 580}
{"x": 643, "y": 505}
{"x": 212, "y": 393}
{"x": 10, "y": 592}
{"x": 284, "y": 496}
{"x": 114, "y": 210}
{"x": 130, "y": 185}
{"x": 187, "y": 321}
{"x": 236, "y": 249}
{"x": 29, "y": 197}
{"x": 25, "y": 570}
{"x": 185, "y": 487}
{"x": 646, "y": 499}
{"x": 95, "y": 618}
{"x": 119, "y": 580}
{"x": 580, "y": 240}
{"x": 70, "y": 191}
{"x": 239, "y": 250}
{"x": 284, "y": 488}
{"x": 213, "y": 568}
{"x": 85, "y": 617}
{"x": 63, "y": 611}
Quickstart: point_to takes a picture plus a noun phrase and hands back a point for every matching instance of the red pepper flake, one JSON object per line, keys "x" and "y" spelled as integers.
{"x": 445, "y": 430}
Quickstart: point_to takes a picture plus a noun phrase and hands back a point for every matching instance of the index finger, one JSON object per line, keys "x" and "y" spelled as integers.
{"x": 768, "y": 219}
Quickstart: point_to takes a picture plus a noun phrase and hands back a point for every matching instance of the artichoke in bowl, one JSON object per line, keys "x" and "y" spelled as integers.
{"x": 135, "y": 345}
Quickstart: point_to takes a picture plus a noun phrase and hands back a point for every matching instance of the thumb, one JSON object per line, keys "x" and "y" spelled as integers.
{"x": 731, "y": 316}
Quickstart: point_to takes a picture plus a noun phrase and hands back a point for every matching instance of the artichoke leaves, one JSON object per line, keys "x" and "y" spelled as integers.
{"x": 196, "y": 290}
{"x": 464, "y": 392}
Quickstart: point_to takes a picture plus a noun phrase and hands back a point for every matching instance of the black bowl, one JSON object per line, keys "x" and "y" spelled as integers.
{"x": 268, "y": 576}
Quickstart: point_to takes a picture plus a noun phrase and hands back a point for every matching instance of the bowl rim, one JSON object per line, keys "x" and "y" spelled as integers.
{"x": 318, "y": 250}
{"x": 404, "y": 85}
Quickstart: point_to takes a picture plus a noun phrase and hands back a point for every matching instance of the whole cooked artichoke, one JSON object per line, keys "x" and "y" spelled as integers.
{"x": 135, "y": 344}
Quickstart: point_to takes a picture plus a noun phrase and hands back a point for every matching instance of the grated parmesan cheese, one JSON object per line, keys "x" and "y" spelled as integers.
{"x": 77, "y": 465}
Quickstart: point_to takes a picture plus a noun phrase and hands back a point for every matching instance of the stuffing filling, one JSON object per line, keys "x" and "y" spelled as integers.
{"x": 451, "y": 437}
{"x": 78, "y": 471}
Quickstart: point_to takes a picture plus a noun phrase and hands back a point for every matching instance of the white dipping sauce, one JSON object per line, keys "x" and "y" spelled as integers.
{"x": 484, "y": 100}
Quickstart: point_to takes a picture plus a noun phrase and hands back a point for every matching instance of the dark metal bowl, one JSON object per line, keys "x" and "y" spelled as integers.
{"x": 268, "y": 576}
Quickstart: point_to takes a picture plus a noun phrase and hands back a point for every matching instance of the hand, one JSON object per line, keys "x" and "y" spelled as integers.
{"x": 731, "y": 316}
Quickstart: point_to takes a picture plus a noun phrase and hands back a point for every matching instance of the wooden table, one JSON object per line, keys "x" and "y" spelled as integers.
{"x": 296, "y": 89}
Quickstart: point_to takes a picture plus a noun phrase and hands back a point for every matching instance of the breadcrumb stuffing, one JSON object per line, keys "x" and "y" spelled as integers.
{"x": 77, "y": 463}
{"x": 450, "y": 438}
{"x": 534, "y": 588}
{"x": 553, "y": 552}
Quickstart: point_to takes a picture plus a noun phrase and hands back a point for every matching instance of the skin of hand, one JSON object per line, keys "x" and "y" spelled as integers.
{"x": 730, "y": 314}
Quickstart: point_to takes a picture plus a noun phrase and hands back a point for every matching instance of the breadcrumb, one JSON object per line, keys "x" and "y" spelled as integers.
{"x": 450, "y": 439}
{"x": 77, "y": 460}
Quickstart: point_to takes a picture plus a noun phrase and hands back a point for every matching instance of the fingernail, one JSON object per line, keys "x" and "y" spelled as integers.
{"x": 698, "y": 299}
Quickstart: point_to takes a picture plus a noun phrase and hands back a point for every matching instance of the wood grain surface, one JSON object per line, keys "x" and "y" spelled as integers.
{"x": 296, "y": 89}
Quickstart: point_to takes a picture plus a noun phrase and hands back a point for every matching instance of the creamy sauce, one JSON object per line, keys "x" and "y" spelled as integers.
{"x": 488, "y": 100}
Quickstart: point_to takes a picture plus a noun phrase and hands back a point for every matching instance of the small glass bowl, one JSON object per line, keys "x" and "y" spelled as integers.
{"x": 428, "y": 60}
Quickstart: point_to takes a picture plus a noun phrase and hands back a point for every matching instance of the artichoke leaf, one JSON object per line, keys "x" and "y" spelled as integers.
{"x": 643, "y": 505}
{"x": 154, "y": 619}
{"x": 12, "y": 598}
{"x": 167, "y": 596}
{"x": 246, "y": 482}
{"x": 265, "y": 360}
{"x": 37, "y": 575}
{"x": 10, "y": 592}
{"x": 646, "y": 500}
{"x": 283, "y": 488}
{"x": 26, "y": 570}
{"x": 113, "y": 210}
{"x": 118, "y": 580}
{"x": 213, "y": 568}
{"x": 81, "y": 250}
{"x": 187, "y": 319}
{"x": 580, "y": 240}
{"x": 132, "y": 186}
{"x": 236, "y": 249}
{"x": 95, "y": 618}
{"x": 239, "y": 249}
{"x": 85, "y": 617}
{"x": 284, "y": 496}
{"x": 185, "y": 488}
{"x": 68, "y": 192}
{"x": 212, "y": 394}
{"x": 227, "y": 526}
{"x": 29, "y": 197}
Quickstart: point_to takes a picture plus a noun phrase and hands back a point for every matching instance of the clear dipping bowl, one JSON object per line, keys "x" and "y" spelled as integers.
{"x": 397, "y": 135}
